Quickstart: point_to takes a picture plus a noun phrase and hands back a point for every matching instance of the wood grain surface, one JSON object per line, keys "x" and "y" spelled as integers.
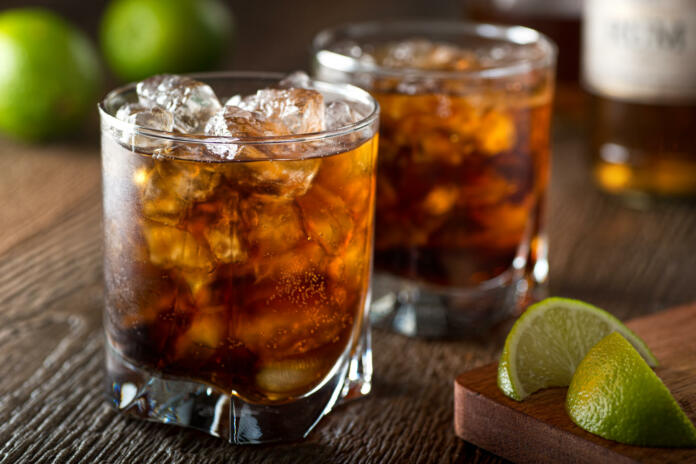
{"x": 538, "y": 429}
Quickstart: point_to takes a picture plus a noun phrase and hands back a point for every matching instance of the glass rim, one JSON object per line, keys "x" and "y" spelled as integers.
{"x": 516, "y": 35}
{"x": 340, "y": 89}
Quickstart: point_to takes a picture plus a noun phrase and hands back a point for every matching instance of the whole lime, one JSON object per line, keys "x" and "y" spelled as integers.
{"x": 49, "y": 74}
{"x": 140, "y": 38}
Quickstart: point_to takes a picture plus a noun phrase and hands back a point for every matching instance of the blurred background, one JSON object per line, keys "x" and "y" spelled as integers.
{"x": 127, "y": 35}
{"x": 273, "y": 35}
{"x": 618, "y": 237}
{"x": 619, "y": 164}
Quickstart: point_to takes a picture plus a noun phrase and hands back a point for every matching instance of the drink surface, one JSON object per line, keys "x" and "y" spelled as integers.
{"x": 244, "y": 266}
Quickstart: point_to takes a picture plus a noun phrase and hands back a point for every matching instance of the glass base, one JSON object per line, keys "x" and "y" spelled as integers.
{"x": 414, "y": 309}
{"x": 149, "y": 395}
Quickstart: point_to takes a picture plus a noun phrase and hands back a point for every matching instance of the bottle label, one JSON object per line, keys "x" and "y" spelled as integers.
{"x": 640, "y": 50}
{"x": 569, "y": 9}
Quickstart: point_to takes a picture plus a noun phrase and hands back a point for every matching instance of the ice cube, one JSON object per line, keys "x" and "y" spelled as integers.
{"x": 300, "y": 110}
{"x": 198, "y": 281}
{"x": 205, "y": 334}
{"x": 496, "y": 133}
{"x": 349, "y": 175}
{"x": 305, "y": 259}
{"x": 259, "y": 173}
{"x": 297, "y": 79}
{"x": 207, "y": 328}
{"x": 291, "y": 375}
{"x": 236, "y": 100}
{"x": 233, "y": 121}
{"x": 425, "y": 54}
{"x": 326, "y": 218}
{"x": 151, "y": 118}
{"x": 276, "y": 226}
{"x": 269, "y": 112}
{"x": 170, "y": 247}
{"x": 349, "y": 270}
{"x": 281, "y": 179}
{"x": 169, "y": 189}
{"x": 339, "y": 113}
{"x": 226, "y": 242}
{"x": 440, "y": 200}
{"x": 192, "y": 103}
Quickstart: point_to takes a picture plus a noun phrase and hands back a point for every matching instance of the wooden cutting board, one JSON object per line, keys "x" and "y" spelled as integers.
{"x": 538, "y": 430}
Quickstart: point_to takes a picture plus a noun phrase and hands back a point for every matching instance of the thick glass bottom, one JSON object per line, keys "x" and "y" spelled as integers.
{"x": 416, "y": 309}
{"x": 149, "y": 395}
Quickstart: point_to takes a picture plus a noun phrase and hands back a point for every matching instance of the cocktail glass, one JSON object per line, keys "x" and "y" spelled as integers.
{"x": 237, "y": 268}
{"x": 460, "y": 237}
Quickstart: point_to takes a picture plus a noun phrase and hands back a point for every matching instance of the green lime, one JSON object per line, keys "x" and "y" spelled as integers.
{"x": 49, "y": 74}
{"x": 145, "y": 37}
{"x": 615, "y": 394}
{"x": 548, "y": 342}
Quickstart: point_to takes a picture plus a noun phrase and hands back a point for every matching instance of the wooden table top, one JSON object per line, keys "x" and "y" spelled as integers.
{"x": 52, "y": 406}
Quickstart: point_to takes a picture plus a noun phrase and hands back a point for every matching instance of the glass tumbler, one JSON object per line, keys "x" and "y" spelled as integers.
{"x": 237, "y": 289}
{"x": 460, "y": 240}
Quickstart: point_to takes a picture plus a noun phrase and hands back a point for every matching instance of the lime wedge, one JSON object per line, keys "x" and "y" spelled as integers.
{"x": 615, "y": 394}
{"x": 549, "y": 340}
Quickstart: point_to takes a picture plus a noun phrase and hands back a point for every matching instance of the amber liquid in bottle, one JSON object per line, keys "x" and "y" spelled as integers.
{"x": 639, "y": 65}
{"x": 644, "y": 148}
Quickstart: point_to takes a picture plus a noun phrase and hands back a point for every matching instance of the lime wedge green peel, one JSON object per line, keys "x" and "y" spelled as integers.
{"x": 615, "y": 394}
{"x": 549, "y": 340}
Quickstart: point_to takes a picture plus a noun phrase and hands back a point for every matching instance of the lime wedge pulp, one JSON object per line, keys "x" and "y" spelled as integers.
{"x": 549, "y": 340}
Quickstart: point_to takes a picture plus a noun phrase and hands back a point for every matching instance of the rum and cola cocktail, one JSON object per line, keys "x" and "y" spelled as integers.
{"x": 463, "y": 166}
{"x": 238, "y": 250}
